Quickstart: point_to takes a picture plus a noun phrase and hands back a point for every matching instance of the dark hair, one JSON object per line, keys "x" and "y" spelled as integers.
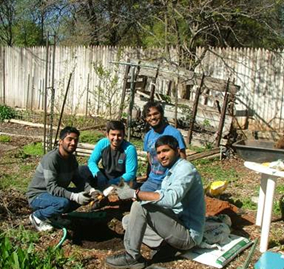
{"x": 150, "y": 104}
{"x": 115, "y": 125}
{"x": 167, "y": 140}
{"x": 68, "y": 130}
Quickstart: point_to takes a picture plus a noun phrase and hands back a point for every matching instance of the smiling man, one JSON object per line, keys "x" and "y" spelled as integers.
{"x": 118, "y": 159}
{"x": 153, "y": 114}
{"x": 167, "y": 220}
{"x": 48, "y": 193}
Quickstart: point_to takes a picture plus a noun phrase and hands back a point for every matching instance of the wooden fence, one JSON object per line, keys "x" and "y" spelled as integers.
{"x": 97, "y": 79}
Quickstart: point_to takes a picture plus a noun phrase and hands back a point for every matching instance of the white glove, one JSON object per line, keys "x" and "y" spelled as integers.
{"x": 125, "y": 192}
{"x": 95, "y": 194}
{"x": 82, "y": 198}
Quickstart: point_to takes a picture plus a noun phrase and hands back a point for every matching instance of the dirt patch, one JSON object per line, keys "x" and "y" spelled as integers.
{"x": 239, "y": 218}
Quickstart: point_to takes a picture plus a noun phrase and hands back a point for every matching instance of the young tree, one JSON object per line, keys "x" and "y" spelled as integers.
{"x": 7, "y": 20}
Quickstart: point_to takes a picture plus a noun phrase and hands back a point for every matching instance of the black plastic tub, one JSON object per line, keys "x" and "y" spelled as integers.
{"x": 259, "y": 151}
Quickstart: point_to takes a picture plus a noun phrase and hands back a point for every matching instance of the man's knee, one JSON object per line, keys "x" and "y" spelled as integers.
{"x": 61, "y": 205}
{"x": 85, "y": 172}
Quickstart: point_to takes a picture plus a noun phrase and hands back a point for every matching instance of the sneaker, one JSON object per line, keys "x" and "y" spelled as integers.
{"x": 40, "y": 225}
{"x": 124, "y": 260}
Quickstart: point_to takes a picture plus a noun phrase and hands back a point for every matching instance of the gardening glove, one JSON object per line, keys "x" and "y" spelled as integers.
{"x": 95, "y": 194}
{"x": 82, "y": 198}
{"x": 102, "y": 181}
{"x": 125, "y": 192}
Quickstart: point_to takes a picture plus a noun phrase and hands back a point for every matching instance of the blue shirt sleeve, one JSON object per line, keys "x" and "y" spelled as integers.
{"x": 96, "y": 156}
{"x": 181, "y": 181}
{"x": 145, "y": 147}
{"x": 131, "y": 163}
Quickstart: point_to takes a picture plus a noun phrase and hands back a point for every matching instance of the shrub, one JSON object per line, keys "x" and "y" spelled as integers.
{"x": 6, "y": 113}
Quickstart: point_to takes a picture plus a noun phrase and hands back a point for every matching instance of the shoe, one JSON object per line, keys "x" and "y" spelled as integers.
{"x": 40, "y": 225}
{"x": 124, "y": 260}
{"x": 164, "y": 253}
{"x": 59, "y": 221}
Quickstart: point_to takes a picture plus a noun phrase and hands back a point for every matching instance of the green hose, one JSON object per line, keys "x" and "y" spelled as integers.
{"x": 64, "y": 230}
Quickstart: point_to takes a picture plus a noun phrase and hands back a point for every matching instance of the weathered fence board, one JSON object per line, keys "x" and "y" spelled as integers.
{"x": 259, "y": 73}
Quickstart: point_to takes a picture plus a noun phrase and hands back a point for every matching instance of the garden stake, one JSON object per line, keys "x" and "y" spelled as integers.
{"x": 247, "y": 262}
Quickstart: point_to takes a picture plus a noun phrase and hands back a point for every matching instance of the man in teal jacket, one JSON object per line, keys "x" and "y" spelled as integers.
{"x": 117, "y": 156}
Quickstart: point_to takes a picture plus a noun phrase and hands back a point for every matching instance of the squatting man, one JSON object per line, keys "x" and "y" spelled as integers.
{"x": 171, "y": 216}
{"x": 48, "y": 193}
{"x": 113, "y": 160}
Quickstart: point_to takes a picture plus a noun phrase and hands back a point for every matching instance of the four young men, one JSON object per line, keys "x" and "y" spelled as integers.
{"x": 169, "y": 207}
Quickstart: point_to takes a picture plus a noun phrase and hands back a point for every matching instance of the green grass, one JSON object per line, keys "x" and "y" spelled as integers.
{"x": 19, "y": 182}
{"x": 5, "y": 138}
{"x": 138, "y": 143}
{"x": 20, "y": 169}
{"x": 34, "y": 149}
{"x": 91, "y": 137}
{"x": 247, "y": 203}
{"x": 211, "y": 170}
{"x": 280, "y": 188}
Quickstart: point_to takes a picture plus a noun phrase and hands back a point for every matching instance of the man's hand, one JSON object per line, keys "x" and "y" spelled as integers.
{"x": 96, "y": 195}
{"x": 82, "y": 198}
{"x": 125, "y": 192}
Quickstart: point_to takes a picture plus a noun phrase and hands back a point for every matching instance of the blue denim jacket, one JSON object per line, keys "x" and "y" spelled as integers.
{"x": 182, "y": 191}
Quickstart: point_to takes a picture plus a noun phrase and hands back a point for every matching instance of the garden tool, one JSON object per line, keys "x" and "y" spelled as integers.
{"x": 96, "y": 203}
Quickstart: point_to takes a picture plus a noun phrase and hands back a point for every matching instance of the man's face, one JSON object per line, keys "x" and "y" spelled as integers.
{"x": 166, "y": 155}
{"x": 69, "y": 144}
{"x": 154, "y": 118}
{"x": 115, "y": 138}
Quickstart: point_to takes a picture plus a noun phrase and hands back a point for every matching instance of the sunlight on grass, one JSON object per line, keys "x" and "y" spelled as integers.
{"x": 138, "y": 143}
{"x": 91, "y": 137}
{"x": 17, "y": 181}
{"x": 33, "y": 149}
{"x": 211, "y": 170}
{"x": 247, "y": 203}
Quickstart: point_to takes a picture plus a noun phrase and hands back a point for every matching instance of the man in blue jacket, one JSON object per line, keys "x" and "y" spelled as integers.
{"x": 117, "y": 156}
{"x": 174, "y": 215}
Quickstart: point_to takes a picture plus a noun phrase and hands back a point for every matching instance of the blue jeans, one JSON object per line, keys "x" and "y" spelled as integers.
{"x": 150, "y": 185}
{"x": 46, "y": 206}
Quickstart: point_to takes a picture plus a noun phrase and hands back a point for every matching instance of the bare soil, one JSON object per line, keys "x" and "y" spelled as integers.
{"x": 92, "y": 239}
